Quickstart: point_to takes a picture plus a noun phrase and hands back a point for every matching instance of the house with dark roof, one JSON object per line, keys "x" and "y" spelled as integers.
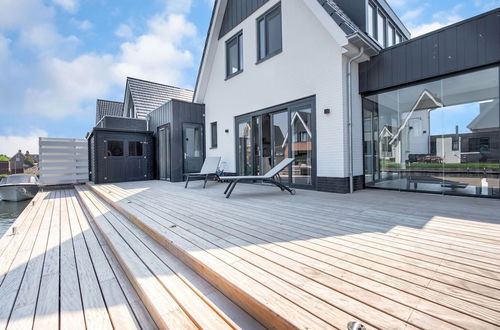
{"x": 333, "y": 76}
{"x": 142, "y": 97}
{"x": 108, "y": 108}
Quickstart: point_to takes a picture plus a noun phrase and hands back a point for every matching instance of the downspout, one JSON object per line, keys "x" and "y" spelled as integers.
{"x": 349, "y": 119}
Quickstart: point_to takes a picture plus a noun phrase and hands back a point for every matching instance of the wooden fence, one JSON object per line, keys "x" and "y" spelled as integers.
{"x": 63, "y": 161}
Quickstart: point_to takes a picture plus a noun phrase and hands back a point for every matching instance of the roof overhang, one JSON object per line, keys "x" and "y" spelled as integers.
{"x": 358, "y": 40}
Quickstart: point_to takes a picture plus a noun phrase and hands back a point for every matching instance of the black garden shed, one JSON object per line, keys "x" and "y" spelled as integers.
{"x": 121, "y": 149}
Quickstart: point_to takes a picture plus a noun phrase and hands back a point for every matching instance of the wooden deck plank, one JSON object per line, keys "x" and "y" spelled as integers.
{"x": 71, "y": 310}
{"x": 20, "y": 223}
{"x": 14, "y": 243}
{"x": 23, "y": 311}
{"x": 141, "y": 314}
{"x": 451, "y": 267}
{"x": 206, "y": 218}
{"x": 47, "y": 307}
{"x": 94, "y": 306}
{"x": 117, "y": 305}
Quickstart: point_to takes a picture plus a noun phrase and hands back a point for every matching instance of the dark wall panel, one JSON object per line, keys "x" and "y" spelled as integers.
{"x": 175, "y": 113}
{"x": 468, "y": 44}
{"x": 236, "y": 12}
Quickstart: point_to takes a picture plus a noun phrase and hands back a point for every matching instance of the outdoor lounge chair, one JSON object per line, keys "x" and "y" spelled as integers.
{"x": 269, "y": 177}
{"x": 210, "y": 166}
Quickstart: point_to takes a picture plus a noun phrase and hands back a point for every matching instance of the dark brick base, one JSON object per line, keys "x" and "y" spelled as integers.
{"x": 339, "y": 185}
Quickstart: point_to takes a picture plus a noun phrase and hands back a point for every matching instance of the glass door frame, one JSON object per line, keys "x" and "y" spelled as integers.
{"x": 309, "y": 102}
{"x": 168, "y": 153}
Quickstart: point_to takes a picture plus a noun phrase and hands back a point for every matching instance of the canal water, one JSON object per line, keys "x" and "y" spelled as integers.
{"x": 9, "y": 211}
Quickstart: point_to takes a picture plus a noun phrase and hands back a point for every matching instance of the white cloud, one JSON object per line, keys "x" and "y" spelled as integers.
{"x": 84, "y": 25}
{"x": 158, "y": 55}
{"x": 10, "y": 144}
{"x": 179, "y": 6}
{"x": 124, "y": 31}
{"x": 70, "y": 6}
{"x": 4, "y": 48}
{"x": 412, "y": 14}
{"x": 68, "y": 85}
{"x": 441, "y": 19}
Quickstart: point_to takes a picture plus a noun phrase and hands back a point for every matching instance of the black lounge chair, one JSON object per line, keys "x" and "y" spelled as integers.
{"x": 210, "y": 166}
{"x": 269, "y": 177}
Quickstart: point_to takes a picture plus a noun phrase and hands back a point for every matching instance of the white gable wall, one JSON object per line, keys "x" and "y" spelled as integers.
{"x": 311, "y": 64}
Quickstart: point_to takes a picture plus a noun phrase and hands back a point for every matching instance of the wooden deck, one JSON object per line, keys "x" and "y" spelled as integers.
{"x": 318, "y": 260}
{"x": 57, "y": 271}
{"x": 153, "y": 254}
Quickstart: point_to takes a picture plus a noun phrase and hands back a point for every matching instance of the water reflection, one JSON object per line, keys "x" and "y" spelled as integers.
{"x": 9, "y": 211}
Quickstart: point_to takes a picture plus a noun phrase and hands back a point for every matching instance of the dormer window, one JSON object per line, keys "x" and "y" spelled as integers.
{"x": 269, "y": 33}
{"x": 234, "y": 55}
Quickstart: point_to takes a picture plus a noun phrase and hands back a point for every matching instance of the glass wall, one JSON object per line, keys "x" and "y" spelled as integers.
{"x": 442, "y": 136}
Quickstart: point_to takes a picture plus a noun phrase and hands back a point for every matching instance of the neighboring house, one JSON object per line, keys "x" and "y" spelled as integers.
{"x": 142, "y": 97}
{"x": 108, "y": 108}
{"x": 16, "y": 163}
{"x": 35, "y": 157}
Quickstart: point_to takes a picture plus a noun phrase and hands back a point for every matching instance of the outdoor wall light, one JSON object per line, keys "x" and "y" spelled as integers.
{"x": 326, "y": 111}
{"x": 226, "y": 130}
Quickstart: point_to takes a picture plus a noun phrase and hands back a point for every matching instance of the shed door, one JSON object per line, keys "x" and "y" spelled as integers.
{"x": 114, "y": 160}
{"x": 136, "y": 160}
{"x": 193, "y": 147}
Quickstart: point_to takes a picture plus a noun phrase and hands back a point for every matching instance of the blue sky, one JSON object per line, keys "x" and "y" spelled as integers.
{"x": 58, "y": 56}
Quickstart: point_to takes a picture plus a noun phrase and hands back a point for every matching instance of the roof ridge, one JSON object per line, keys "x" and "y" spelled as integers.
{"x": 157, "y": 83}
{"x": 110, "y": 101}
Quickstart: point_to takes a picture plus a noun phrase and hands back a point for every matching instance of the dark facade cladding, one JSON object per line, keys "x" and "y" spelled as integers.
{"x": 236, "y": 12}
{"x": 465, "y": 45}
{"x": 173, "y": 118}
{"x": 339, "y": 185}
{"x": 119, "y": 154}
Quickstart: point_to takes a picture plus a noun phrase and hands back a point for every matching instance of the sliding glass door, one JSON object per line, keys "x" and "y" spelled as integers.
{"x": 266, "y": 138}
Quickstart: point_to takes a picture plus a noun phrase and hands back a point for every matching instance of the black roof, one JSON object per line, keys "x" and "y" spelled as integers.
{"x": 108, "y": 108}
{"x": 148, "y": 96}
{"x": 338, "y": 15}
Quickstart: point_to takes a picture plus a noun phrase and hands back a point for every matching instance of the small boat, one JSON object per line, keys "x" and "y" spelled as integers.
{"x": 18, "y": 187}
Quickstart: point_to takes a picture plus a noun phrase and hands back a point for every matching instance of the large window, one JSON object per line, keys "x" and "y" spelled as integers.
{"x": 234, "y": 55}
{"x": 441, "y": 136}
{"x": 269, "y": 33}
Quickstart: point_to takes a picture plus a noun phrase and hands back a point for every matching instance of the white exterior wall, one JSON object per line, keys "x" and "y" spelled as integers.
{"x": 311, "y": 63}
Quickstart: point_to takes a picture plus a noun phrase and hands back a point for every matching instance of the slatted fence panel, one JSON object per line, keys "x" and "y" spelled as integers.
{"x": 63, "y": 161}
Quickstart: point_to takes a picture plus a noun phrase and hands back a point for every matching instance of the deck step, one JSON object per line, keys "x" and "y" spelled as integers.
{"x": 275, "y": 303}
{"x": 175, "y": 295}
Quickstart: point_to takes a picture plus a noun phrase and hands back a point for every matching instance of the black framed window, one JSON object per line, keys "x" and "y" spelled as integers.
{"x": 455, "y": 143}
{"x": 115, "y": 148}
{"x": 134, "y": 148}
{"x": 269, "y": 33}
{"x": 213, "y": 130}
{"x": 234, "y": 55}
{"x": 479, "y": 144}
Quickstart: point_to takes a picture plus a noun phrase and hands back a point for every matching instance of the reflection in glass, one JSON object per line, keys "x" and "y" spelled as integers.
{"x": 245, "y": 148}
{"x": 280, "y": 150}
{"x": 301, "y": 146}
{"x": 441, "y": 136}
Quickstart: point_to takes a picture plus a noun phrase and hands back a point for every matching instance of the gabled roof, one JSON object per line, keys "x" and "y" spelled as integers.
{"x": 107, "y": 108}
{"x": 148, "y": 96}
{"x": 331, "y": 8}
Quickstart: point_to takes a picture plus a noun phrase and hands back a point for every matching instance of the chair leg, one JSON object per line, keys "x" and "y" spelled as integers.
{"x": 205, "y": 184}
{"x": 228, "y": 186}
{"x": 232, "y": 188}
{"x": 187, "y": 181}
{"x": 282, "y": 187}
